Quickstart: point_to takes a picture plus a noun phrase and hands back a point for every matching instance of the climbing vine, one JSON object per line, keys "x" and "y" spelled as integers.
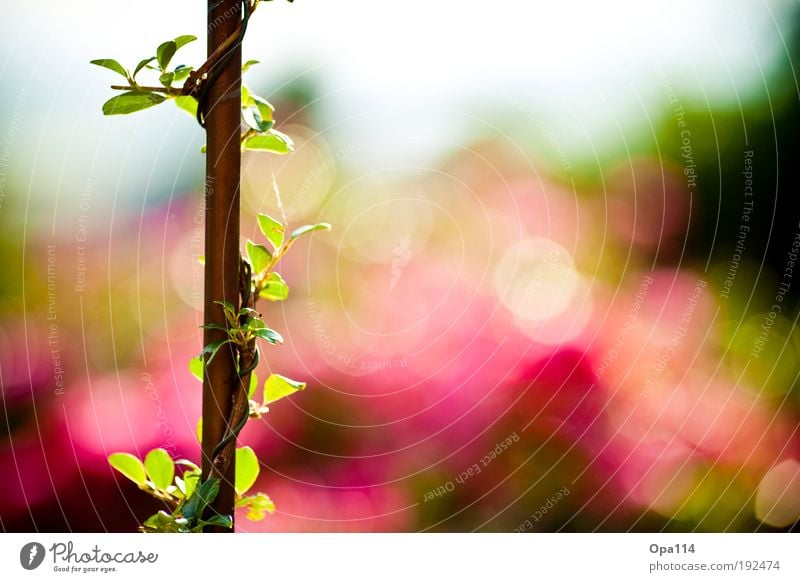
{"x": 178, "y": 484}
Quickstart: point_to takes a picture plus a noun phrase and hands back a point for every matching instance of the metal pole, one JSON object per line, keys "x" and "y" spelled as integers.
{"x": 223, "y": 163}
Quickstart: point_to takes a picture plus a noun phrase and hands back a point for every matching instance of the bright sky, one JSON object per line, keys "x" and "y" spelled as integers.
{"x": 396, "y": 68}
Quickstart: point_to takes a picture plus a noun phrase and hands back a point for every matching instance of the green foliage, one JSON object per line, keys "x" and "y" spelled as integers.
{"x": 142, "y": 64}
{"x": 257, "y": 505}
{"x": 247, "y": 469}
{"x": 129, "y": 466}
{"x": 196, "y": 368}
{"x": 259, "y": 329}
{"x": 257, "y": 105}
{"x": 258, "y": 255}
{"x": 179, "y": 483}
{"x": 190, "y": 481}
{"x": 167, "y": 50}
{"x": 272, "y": 229}
{"x": 274, "y": 288}
{"x": 277, "y": 387}
{"x": 136, "y": 96}
{"x": 272, "y": 141}
{"x": 254, "y": 118}
{"x": 187, "y": 104}
{"x": 212, "y": 348}
{"x": 178, "y": 84}
{"x": 187, "y": 497}
{"x": 160, "y": 468}
{"x": 253, "y": 385}
{"x": 243, "y": 327}
{"x": 131, "y": 101}
{"x": 268, "y": 284}
{"x": 309, "y": 228}
{"x": 246, "y": 66}
{"x": 112, "y": 65}
{"x": 202, "y": 496}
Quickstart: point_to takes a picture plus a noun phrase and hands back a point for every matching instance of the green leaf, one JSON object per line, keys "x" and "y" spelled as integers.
{"x": 252, "y": 117}
{"x": 255, "y": 323}
{"x": 247, "y": 469}
{"x": 253, "y": 385}
{"x": 257, "y": 505}
{"x": 218, "y": 326}
{"x": 142, "y": 64}
{"x": 230, "y": 310}
{"x": 190, "y": 481}
{"x": 277, "y": 387}
{"x": 274, "y": 141}
{"x": 218, "y": 520}
{"x": 275, "y": 288}
{"x": 131, "y": 101}
{"x": 199, "y": 430}
{"x": 269, "y": 335}
{"x": 164, "y": 522}
{"x": 196, "y": 368}
{"x": 158, "y": 520}
{"x": 184, "y": 39}
{"x": 112, "y": 65}
{"x": 309, "y": 228}
{"x": 265, "y": 109}
{"x": 181, "y": 72}
{"x": 271, "y": 229}
{"x": 249, "y": 64}
{"x": 160, "y": 468}
{"x": 187, "y": 463}
{"x": 201, "y": 498}
{"x": 181, "y": 485}
{"x": 166, "y": 79}
{"x": 165, "y": 52}
{"x": 189, "y": 105}
{"x": 259, "y": 256}
{"x": 129, "y": 466}
{"x": 249, "y": 312}
{"x": 212, "y": 349}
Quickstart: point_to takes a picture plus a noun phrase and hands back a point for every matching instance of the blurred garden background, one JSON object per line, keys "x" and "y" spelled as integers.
{"x": 560, "y": 293}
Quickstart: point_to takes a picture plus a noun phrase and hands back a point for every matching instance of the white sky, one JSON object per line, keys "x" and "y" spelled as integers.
{"x": 391, "y": 68}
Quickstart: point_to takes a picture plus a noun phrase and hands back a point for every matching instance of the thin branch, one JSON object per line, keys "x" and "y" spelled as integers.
{"x": 171, "y": 91}
{"x": 196, "y": 77}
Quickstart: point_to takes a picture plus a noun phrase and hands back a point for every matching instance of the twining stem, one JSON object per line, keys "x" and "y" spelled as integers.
{"x": 240, "y": 406}
{"x": 250, "y": 287}
{"x": 196, "y": 77}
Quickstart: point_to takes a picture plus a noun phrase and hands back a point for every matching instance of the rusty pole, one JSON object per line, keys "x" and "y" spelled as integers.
{"x": 223, "y": 163}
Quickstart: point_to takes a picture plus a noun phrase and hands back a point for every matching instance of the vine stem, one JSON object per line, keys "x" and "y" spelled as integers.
{"x": 248, "y": 360}
{"x": 196, "y": 76}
